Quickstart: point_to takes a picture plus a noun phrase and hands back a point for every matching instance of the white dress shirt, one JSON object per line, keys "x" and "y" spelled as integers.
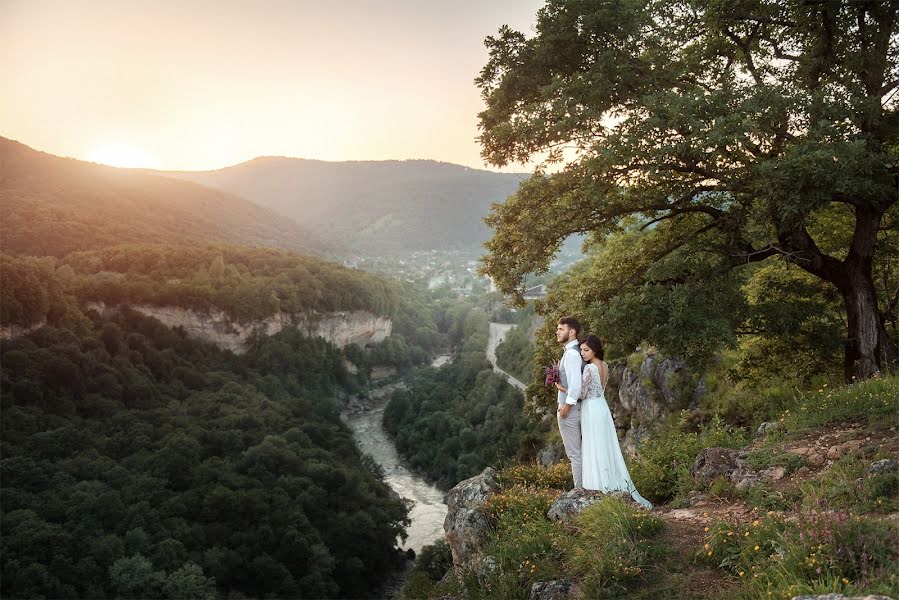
{"x": 571, "y": 362}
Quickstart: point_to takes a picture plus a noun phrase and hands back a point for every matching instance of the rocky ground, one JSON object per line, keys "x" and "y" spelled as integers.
{"x": 779, "y": 465}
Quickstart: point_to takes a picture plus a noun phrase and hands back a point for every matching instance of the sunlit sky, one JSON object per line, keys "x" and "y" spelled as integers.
{"x": 203, "y": 84}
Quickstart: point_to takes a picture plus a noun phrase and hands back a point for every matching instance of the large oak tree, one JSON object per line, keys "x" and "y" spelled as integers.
{"x": 727, "y": 127}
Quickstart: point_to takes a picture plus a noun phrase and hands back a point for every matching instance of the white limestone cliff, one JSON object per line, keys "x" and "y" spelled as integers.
{"x": 340, "y": 328}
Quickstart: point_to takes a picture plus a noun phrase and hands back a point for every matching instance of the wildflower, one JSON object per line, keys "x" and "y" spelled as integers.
{"x": 742, "y": 573}
{"x": 756, "y": 548}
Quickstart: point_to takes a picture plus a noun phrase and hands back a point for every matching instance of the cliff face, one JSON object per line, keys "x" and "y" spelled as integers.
{"x": 641, "y": 395}
{"x": 340, "y": 328}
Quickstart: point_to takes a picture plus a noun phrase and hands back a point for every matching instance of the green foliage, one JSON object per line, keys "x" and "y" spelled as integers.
{"x": 138, "y": 462}
{"x": 823, "y": 551}
{"x": 798, "y": 326}
{"x": 556, "y": 476}
{"x": 846, "y": 486}
{"x": 663, "y": 460}
{"x": 701, "y": 150}
{"x": 611, "y": 549}
{"x": 608, "y": 547}
{"x": 246, "y": 283}
{"x": 759, "y": 460}
{"x": 526, "y": 545}
{"x": 454, "y": 421}
{"x": 515, "y": 355}
{"x": 870, "y": 401}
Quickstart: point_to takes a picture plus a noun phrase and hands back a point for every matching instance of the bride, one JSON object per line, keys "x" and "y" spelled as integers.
{"x": 603, "y": 463}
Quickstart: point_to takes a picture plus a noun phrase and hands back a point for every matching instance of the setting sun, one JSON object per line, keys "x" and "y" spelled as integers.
{"x": 122, "y": 155}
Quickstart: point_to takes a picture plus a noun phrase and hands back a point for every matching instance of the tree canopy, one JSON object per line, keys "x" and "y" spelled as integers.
{"x": 715, "y": 136}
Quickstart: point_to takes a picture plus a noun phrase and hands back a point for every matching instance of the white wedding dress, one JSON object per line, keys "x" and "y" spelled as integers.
{"x": 603, "y": 463}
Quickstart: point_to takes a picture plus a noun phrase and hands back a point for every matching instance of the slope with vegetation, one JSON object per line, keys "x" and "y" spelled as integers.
{"x": 814, "y": 527}
{"x": 451, "y": 422}
{"x": 140, "y": 463}
{"x": 51, "y": 206}
{"x": 371, "y": 207}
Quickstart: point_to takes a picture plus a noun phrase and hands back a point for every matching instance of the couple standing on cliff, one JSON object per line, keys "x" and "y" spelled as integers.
{"x": 585, "y": 420}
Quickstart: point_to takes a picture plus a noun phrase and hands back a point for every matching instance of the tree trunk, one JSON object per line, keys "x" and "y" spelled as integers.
{"x": 863, "y": 346}
{"x": 868, "y": 347}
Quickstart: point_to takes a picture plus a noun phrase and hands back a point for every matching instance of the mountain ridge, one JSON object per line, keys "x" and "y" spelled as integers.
{"x": 379, "y": 207}
{"x": 52, "y": 205}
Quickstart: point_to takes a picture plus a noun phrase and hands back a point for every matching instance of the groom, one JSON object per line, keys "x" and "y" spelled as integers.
{"x": 569, "y": 413}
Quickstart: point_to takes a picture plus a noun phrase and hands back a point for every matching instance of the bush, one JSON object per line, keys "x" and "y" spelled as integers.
{"x": 822, "y": 551}
{"x": 846, "y": 486}
{"x": 557, "y": 476}
{"x": 662, "y": 466}
{"x": 609, "y": 551}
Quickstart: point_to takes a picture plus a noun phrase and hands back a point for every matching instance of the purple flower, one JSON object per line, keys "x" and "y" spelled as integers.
{"x": 552, "y": 374}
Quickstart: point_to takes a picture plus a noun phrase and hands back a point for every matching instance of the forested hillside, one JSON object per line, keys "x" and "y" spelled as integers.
{"x": 52, "y": 206}
{"x": 453, "y": 421}
{"x": 376, "y": 207}
{"x": 140, "y": 463}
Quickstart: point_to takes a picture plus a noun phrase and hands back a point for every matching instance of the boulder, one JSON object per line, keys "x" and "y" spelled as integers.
{"x": 466, "y": 523}
{"x": 574, "y": 501}
{"x": 556, "y": 589}
{"x": 488, "y": 565}
{"x": 887, "y": 465}
{"x": 550, "y": 454}
{"x": 774, "y": 473}
{"x": 712, "y": 463}
{"x": 767, "y": 426}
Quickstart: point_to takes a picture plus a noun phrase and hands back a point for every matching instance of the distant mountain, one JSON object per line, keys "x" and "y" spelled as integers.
{"x": 381, "y": 207}
{"x": 52, "y": 206}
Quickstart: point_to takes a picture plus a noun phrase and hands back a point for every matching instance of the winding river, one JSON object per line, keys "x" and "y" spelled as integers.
{"x": 428, "y": 509}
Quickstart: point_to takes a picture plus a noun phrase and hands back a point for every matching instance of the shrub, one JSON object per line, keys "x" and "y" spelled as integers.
{"x": 822, "y": 551}
{"x": 557, "y": 476}
{"x": 662, "y": 466}
{"x": 846, "y": 486}
{"x": 608, "y": 551}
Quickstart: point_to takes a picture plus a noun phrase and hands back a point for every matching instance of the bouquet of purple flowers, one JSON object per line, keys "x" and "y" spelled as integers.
{"x": 552, "y": 374}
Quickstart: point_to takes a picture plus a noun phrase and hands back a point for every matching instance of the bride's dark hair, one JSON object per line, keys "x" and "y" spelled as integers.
{"x": 595, "y": 344}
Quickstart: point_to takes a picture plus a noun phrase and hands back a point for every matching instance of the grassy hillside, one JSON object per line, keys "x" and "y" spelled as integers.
{"x": 372, "y": 206}
{"x": 53, "y": 206}
{"x": 820, "y": 517}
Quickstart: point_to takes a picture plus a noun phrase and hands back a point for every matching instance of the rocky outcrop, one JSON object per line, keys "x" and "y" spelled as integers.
{"x": 574, "y": 501}
{"x": 880, "y": 467}
{"x": 641, "y": 396}
{"x": 550, "y": 454}
{"x": 339, "y": 328}
{"x": 466, "y": 523}
{"x": 729, "y": 464}
{"x": 556, "y": 589}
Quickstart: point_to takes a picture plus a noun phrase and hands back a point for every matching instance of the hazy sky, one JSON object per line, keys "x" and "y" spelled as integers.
{"x": 199, "y": 84}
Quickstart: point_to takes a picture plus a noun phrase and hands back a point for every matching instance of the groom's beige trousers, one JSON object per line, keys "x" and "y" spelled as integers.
{"x": 570, "y": 428}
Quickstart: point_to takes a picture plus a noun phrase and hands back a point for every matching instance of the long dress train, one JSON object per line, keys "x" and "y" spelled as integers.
{"x": 603, "y": 464}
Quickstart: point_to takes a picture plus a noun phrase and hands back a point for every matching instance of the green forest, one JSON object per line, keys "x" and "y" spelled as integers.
{"x": 452, "y": 422}
{"x": 138, "y": 462}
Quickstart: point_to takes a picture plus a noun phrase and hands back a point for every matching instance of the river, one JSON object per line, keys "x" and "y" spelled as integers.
{"x": 428, "y": 511}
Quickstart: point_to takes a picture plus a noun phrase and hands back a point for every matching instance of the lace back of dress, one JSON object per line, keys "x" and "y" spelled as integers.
{"x": 596, "y": 388}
